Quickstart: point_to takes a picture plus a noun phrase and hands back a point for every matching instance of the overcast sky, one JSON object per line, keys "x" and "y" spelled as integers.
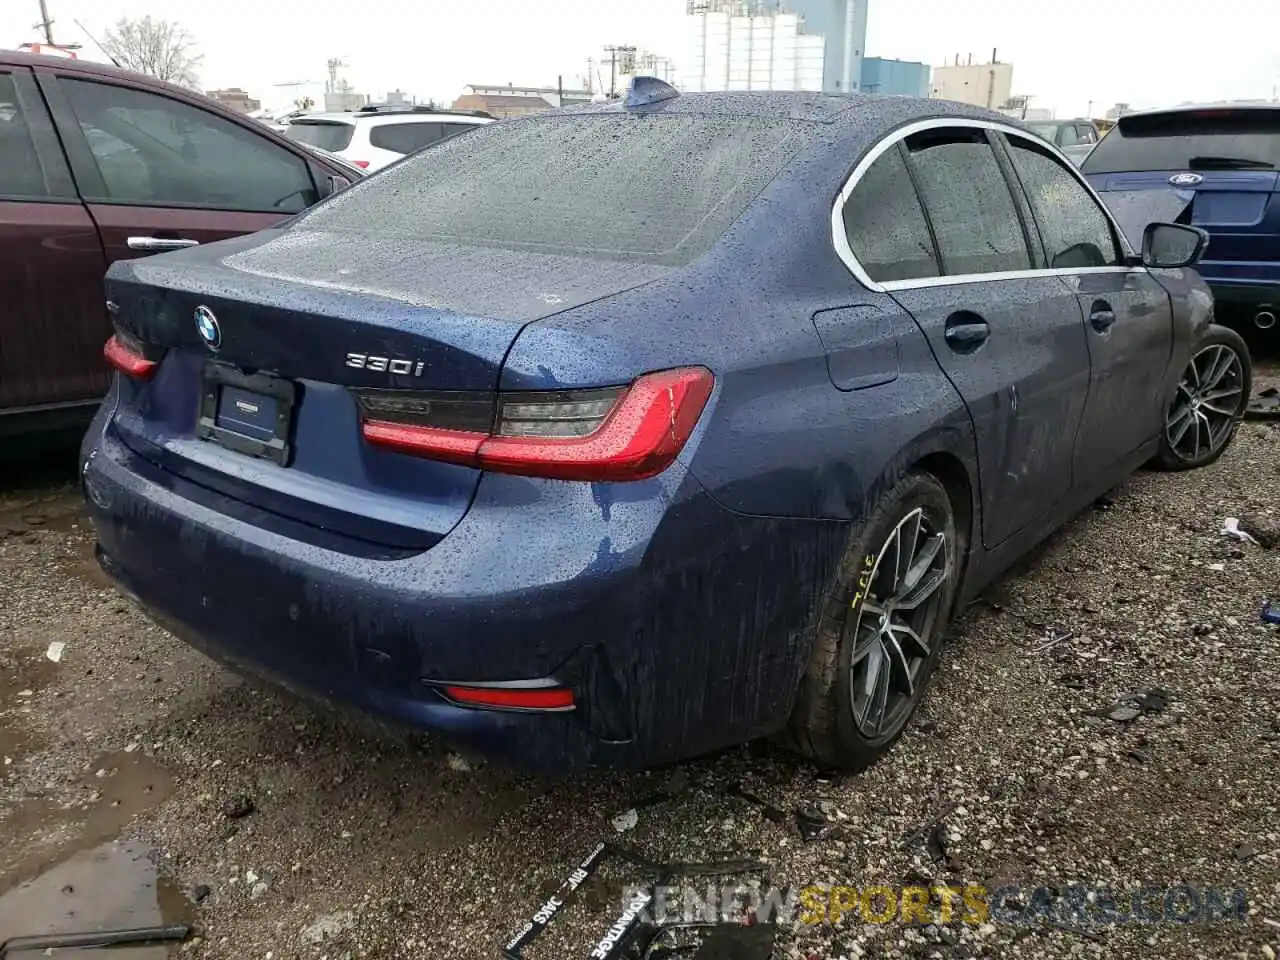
{"x": 1146, "y": 52}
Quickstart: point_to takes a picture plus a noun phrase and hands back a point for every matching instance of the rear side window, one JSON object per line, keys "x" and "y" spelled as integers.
{"x": 659, "y": 189}
{"x": 1069, "y": 135}
{"x": 453, "y": 129}
{"x": 1075, "y": 231}
{"x": 885, "y": 224}
{"x": 20, "y": 172}
{"x": 154, "y": 150}
{"x": 404, "y": 137}
{"x": 968, "y": 202}
{"x": 1195, "y": 140}
{"x": 324, "y": 134}
{"x": 1047, "y": 130}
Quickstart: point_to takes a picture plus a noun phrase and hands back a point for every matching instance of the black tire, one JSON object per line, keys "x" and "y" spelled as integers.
{"x": 824, "y": 726}
{"x": 1208, "y": 403}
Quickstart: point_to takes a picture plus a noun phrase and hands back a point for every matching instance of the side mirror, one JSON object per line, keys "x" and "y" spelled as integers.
{"x": 336, "y": 184}
{"x": 1172, "y": 245}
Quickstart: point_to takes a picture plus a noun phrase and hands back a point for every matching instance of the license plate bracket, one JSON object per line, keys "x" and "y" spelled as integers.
{"x": 250, "y": 413}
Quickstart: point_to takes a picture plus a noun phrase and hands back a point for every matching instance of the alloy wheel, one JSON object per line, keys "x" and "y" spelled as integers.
{"x": 1207, "y": 404}
{"x": 893, "y": 624}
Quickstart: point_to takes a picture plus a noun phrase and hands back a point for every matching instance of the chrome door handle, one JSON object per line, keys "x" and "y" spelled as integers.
{"x": 965, "y": 332}
{"x": 160, "y": 243}
{"x": 1102, "y": 316}
{"x": 1103, "y": 319}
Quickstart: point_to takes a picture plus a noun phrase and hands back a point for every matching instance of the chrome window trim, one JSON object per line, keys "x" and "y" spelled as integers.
{"x": 889, "y": 285}
{"x": 845, "y": 252}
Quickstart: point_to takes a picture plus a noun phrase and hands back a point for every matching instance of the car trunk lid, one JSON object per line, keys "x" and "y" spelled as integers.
{"x": 265, "y": 414}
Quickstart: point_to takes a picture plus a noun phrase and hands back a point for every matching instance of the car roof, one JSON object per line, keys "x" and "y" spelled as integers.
{"x": 352, "y": 117}
{"x": 816, "y": 107}
{"x": 18, "y": 58}
{"x": 873, "y": 113}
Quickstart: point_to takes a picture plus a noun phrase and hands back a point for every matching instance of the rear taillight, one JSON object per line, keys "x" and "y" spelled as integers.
{"x": 618, "y": 433}
{"x": 127, "y": 355}
{"x": 362, "y": 164}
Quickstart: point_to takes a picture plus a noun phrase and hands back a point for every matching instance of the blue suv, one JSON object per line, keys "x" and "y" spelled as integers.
{"x": 1219, "y": 166}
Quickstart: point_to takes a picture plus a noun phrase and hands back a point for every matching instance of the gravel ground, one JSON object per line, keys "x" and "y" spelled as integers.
{"x": 281, "y": 832}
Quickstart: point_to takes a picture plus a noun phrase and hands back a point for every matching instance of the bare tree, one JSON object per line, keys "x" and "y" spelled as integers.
{"x": 156, "y": 47}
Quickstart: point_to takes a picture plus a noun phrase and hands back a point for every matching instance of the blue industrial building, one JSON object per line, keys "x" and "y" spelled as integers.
{"x": 895, "y": 77}
{"x": 844, "y": 25}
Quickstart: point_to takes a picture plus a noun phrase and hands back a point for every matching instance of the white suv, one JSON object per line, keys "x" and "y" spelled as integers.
{"x": 373, "y": 137}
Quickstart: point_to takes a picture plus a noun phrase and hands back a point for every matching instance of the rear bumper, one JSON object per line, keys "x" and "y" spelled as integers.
{"x": 1245, "y": 294}
{"x": 680, "y": 627}
{"x": 1247, "y": 284}
{"x": 544, "y": 743}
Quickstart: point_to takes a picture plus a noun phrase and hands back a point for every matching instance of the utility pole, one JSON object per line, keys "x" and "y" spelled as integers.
{"x": 46, "y": 24}
{"x": 628, "y": 59}
{"x": 613, "y": 71}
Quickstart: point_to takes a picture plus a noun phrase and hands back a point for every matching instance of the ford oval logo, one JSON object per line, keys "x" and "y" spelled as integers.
{"x": 1186, "y": 179}
{"x": 207, "y": 326}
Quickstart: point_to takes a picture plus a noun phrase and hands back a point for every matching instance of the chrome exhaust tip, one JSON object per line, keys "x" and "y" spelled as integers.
{"x": 1264, "y": 319}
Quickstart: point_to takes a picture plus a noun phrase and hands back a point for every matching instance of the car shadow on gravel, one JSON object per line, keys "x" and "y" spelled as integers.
{"x": 36, "y": 463}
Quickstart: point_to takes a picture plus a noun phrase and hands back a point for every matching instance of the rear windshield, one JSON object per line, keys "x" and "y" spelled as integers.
{"x": 325, "y": 134}
{"x": 1205, "y": 140}
{"x": 659, "y": 189}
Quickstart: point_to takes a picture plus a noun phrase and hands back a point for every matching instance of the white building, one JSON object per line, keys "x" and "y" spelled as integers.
{"x": 981, "y": 84}
{"x": 737, "y": 45}
{"x": 294, "y": 95}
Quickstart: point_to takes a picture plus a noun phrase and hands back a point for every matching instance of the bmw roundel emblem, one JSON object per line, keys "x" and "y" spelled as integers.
{"x": 1186, "y": 179}
{"x": 207, "y": 325}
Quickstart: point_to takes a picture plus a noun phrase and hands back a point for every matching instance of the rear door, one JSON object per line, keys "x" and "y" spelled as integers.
{"x": 158, "y": 173}
{"x": 52, "y": 319}
{"x": 1223, "y": 164}
{"x": 1010, "y": 338}
{"x": 1129, "y": 319}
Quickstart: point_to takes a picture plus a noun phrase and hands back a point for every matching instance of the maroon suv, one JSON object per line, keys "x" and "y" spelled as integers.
{"x": 97, "y": 165}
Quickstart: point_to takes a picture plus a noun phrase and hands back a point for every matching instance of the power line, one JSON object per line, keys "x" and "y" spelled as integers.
{"x": 96, "y": 41}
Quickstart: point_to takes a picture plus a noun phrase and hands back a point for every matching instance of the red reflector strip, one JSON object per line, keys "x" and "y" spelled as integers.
{"x": 451, "y": 446}
{"x": 642, "y": 435}
{"x": 128, "y": 362}
{"x": 542, "y": 698}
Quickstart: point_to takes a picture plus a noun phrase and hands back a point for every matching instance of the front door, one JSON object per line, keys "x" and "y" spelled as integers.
{"x": 1128, "y": 315}
{"x": 1010, "y": 338}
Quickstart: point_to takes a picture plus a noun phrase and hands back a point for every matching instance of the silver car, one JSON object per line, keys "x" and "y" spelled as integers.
{"x": 1075, "y": 138}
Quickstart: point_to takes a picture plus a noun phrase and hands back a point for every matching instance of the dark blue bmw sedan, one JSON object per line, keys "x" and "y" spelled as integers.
{"x": 621, "y": 434}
